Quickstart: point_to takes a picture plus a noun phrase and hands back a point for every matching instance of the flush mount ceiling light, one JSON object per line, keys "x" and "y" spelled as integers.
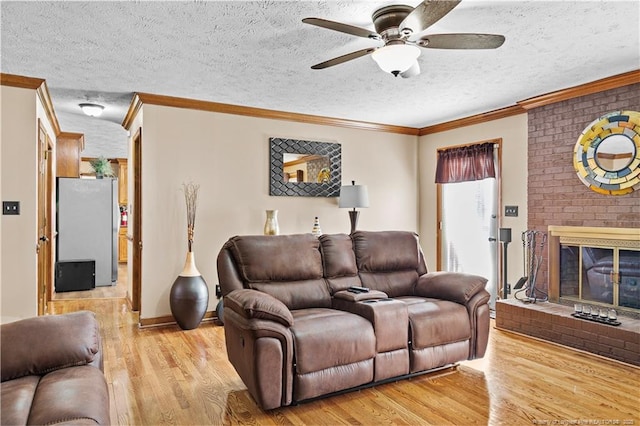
{"x": 92, "y": 110}
{"x": 396, "y": 58}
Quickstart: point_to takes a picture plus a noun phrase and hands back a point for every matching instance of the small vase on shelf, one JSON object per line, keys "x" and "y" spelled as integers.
{"x": 316, "y": 230}
{"x": 271, "y": 226}
{"x": 189, "y": 297}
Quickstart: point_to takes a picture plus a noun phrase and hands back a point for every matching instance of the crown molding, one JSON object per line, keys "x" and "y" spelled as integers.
{"x": 20, "y": 81}
{"x": 40, "y": 86}
{"x": 132, "y": 112}
{"x": 151, "y": 99}
{"x": 45, "y": 98}
{"x": 521, "y": 107}
{"x": 474, "y": 119}
{"x": 601, "y": 85}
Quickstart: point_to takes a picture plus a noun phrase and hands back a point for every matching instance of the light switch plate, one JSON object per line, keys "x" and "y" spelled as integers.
{"x": 11, "y": 207}
{"x": 511, "y": 211}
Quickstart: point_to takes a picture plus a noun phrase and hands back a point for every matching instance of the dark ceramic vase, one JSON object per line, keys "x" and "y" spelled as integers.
{"x": 189, "y": 296}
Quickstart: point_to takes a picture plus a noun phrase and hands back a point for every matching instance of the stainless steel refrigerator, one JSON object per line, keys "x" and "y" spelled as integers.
{"x": 87, "y": 224}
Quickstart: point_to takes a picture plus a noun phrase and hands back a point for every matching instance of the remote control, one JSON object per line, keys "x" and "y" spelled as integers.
{"x": 358, "y": 288}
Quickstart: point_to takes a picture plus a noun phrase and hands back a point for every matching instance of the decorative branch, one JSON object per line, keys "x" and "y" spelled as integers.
{"x": 191, "y": 198}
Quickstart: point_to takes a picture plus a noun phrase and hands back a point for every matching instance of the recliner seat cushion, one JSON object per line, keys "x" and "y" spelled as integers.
{"x": 434, "y": 322}
{"x": 325, "y": 338}
{"x": 77, "y": 395}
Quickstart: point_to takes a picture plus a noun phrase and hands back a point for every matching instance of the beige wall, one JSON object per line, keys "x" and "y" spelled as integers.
{"x": 19, "y": 114}
{"x": 181, "y": 145}
{"x": 513, "y": 132}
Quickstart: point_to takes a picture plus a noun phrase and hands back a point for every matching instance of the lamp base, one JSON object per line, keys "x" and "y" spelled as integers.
{"x": 353, "y": 216}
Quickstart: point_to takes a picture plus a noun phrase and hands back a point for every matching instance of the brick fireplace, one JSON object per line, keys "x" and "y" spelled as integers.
{"x": 557, "y": 198}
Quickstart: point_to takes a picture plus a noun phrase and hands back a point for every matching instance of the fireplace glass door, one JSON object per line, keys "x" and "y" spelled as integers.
{"x": 603, "y": 275}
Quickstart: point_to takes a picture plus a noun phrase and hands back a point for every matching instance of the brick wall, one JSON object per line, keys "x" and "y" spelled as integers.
{"x": 555, "y": 194}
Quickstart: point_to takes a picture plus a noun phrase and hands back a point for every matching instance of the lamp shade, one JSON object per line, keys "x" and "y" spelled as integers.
{"x": 396, "y": 58}
{"x": 353, "y": 196}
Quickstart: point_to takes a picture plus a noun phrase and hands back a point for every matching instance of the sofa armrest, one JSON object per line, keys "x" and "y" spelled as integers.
{"x": 256, "y": 304}
{"x": 454, "y": 286}
{"x": 39, "y": 345}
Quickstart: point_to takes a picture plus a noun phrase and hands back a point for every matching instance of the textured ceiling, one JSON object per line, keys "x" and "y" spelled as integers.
{"x": 259, "y": 54}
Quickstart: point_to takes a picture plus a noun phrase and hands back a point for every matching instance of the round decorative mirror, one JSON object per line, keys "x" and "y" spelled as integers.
{"x": 615, "y": 152}
{"x": 607, "y": 153}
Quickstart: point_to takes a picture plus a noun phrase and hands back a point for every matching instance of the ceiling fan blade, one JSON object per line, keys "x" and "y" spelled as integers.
{"x": 427, "y": 13}
{"x": 343, "y": 58}
{"x": 461, "y": 41}
{"x": 343, "y": 28}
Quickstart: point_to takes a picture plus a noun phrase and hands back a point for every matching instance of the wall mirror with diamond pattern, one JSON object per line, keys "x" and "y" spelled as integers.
{"x": 304, "y": 168}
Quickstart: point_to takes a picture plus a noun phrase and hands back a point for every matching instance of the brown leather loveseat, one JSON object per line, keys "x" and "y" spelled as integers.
{"x": 52, "y": 371}
{"x": 294, "y": 331}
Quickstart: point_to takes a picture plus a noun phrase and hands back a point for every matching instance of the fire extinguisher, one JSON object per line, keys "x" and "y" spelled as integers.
{"x": 123, "y": 217}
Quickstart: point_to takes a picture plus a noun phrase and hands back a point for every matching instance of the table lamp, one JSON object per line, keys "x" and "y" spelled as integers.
{"x": 353, "y": 196}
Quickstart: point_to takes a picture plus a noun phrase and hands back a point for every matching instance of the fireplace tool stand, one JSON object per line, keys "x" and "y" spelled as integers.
{"x": 533, "y": 243}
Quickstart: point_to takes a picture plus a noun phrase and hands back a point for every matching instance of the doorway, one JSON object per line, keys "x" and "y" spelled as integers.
{"x": 136, "y": 213}
{"x": 45, "y": 213}
{"x": 104, "y": 207}
{"x": 468, "y": 219}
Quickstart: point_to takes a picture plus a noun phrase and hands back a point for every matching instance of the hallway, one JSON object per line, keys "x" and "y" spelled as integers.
{"x": 117, "y": 291}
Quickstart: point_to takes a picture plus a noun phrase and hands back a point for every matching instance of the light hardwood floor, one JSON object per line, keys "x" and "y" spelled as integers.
{"x": 163, "y": 375}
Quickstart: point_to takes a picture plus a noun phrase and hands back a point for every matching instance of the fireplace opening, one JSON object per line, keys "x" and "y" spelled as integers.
{"x": 598, "y": 268}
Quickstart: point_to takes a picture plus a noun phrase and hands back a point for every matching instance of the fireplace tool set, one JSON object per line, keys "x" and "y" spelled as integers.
{"x": 533, "y": 243}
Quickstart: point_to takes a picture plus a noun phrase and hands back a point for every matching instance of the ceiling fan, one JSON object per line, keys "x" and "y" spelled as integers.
{"x": 395, "y": 25}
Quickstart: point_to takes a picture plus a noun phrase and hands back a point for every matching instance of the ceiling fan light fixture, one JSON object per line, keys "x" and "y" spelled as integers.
{"x": 92, "y": 110}
{"x": 396, "y": 58}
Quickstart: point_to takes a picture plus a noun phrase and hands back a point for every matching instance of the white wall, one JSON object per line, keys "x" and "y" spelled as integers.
{"x": 228, "y": 156}
{"x": 514, "y": 133}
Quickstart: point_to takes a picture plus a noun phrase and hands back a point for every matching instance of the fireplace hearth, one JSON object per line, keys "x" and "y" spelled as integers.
{"x": 555, "y": 323}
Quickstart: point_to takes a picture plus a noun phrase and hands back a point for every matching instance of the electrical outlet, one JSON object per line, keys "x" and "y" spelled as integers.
{"x": 508, "y": 288}
{"x": 11, "y": 207}
{"x": 511, "y": 211}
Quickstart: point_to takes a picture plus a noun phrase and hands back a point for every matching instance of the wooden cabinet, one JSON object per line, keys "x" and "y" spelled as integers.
{"x": 68, "y": 149}
{"x": 122, "y": 245}
{"x": 122, "y": 181}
